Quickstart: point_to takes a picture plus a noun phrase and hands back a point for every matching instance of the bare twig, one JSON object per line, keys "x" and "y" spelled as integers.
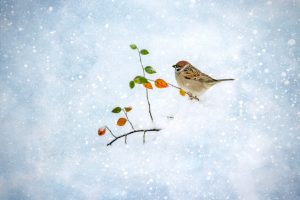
{"x": 132, "y": 132}
{"x": 149, "y": 106}
{"x": 175, "y": 86}
{"x": 124, "y": 111}
{"x": 147, "y": 95}
{"x": 110, "y": 131}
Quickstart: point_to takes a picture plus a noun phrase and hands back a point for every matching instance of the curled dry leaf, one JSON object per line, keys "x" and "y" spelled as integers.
{"x": 128, "y": 109}
{"x": 101, "y": 131}
{"x": 160, "y": 83}
{"x": 182, "y": 92}
{"x": 122, "y": 121}
{"x": 148, "y": 86}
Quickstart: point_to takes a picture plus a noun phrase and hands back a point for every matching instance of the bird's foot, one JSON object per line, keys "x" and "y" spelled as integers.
{"x": 192, "y": 97}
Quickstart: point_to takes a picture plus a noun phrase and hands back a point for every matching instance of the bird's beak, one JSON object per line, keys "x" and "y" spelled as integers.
{"x": 173, "y": 66}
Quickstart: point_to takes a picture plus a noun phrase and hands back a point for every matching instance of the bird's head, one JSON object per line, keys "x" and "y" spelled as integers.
{"x": 180, "y": 65}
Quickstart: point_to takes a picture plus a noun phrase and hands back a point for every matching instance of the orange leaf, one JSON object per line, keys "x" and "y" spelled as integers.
{"x": 182, "y": 92}
{"x": 160, "y": 83}
{"x": 101, "y": 131}
{"x": 122, "y": 121}
{"x": 128, "y": 109}
{"x": 148, "y": 86}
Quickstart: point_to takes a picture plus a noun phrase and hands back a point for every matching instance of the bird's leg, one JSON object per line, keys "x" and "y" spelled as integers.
{"x": 192, "y": 97}
{"x": 196, "y": 98}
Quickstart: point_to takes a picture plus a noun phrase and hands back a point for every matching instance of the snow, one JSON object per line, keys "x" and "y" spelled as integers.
{"x": 65, "y": 65}
{"x": 291, "y": 42}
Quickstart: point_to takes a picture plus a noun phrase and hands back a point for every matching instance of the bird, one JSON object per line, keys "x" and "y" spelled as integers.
{"x": 192, "y": 80}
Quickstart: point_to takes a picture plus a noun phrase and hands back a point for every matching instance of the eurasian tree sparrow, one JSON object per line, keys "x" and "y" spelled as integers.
{"x": 193, "y": 80}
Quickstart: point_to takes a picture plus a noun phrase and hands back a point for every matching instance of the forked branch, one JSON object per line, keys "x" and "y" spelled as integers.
{"x": 132, "y": 132}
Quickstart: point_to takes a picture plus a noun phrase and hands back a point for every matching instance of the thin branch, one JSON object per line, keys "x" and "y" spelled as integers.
{"x": 124, "y": 111}
{"x": 147, "y": 95}
{"x": 149, "y": 106}
{"x": 140, "y": 57}
{"x": 174, "y": 86}
{"x": 111, "y": 132}
{"x": 144, "y": 137}
{"x": 131, "y": 132}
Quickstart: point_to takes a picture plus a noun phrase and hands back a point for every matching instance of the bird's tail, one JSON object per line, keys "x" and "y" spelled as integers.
{"x": 225, "y": 79}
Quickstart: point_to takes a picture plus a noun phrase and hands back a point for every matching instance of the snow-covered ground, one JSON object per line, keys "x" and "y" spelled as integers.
{"x": 66, "y": 64}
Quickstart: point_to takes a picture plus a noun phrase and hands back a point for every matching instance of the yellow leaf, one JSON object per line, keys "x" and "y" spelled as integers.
{"x": 148, "y": 86}
{"x": 182, "y": 92}
{"x": 128, "y": 109}
{"x": 160, "y": 83}
{"x": 101, "y": 131}
{"x": 122, "y": 121}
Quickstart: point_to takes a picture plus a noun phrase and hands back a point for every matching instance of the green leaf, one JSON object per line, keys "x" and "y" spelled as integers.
{"x": 144, "y": 52}
{"x": 133, "y": 46}
{"x": 116, "y": 110}
{"x": 131, "y": 84}
{"x": 150, "y": 70}
{"x": 140, "y": 80}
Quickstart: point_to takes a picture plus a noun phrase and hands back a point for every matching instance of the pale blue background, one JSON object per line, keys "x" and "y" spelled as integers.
{"x": 66, "y": 64}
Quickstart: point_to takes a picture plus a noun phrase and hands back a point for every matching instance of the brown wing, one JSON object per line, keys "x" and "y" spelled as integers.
{"x": 193, "y": 73}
